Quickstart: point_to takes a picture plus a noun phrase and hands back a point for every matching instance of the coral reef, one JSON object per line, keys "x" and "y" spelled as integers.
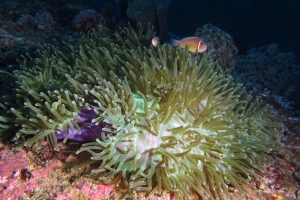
{"x": 170, "y": 121}
{"x": 41, "y": 20}
{"x": 32, "y": 173}
{"x": 267, "y": 68}
{"x": 147, "y": 11}
{"x": 87, "y": 20}
{"x": 220, "y": 46}
{"x": 44, "y": 21}
{"x": 6, "y": 39}
{"x": 14, "y": 40}
{"x": 27, "y": 24}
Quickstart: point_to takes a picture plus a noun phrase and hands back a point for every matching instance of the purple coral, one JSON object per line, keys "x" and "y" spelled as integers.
{"x": 88, "y": 19}
{"x": 88, "y": 131}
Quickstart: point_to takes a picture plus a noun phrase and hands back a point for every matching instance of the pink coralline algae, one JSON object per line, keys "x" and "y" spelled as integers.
{"x": 21, "y": 178}
{"x": 31, "y": 173}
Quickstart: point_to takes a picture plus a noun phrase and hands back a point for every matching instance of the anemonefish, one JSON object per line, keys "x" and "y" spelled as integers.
{"x": 155, "y": 41}
{"x": 194, "y": 44}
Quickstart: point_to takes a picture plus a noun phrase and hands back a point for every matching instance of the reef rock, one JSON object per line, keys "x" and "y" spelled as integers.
{"x": 267, "y": 68}
{"x": 220, "y": 45}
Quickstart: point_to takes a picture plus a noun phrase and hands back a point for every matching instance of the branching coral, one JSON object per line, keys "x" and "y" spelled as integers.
{"x": 170, "y": 122}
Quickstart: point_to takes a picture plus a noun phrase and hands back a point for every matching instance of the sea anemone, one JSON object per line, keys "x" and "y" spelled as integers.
{"x": 169, "y": 122}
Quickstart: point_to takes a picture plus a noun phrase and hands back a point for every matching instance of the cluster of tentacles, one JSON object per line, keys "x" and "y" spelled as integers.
{"x": 158, "y": 119}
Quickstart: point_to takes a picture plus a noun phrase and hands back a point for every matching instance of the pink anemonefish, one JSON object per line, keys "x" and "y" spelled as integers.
{"x": 194, "y": 44}
{"x": 155, "y": 41}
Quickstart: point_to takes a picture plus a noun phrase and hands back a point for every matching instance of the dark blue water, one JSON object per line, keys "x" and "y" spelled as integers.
{"x": 253, "y": 22}
{"x": 259, "y": 22}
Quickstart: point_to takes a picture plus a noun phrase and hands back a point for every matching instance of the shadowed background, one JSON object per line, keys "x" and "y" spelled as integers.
{"x": 252, "y": 23}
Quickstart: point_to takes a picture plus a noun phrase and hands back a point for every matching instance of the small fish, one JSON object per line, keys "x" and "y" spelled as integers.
{"x": 194, "y": 44}
{"x": 155, "y": 41}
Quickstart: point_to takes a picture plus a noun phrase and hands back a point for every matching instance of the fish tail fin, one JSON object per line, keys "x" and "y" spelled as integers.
{"x": 174, "y": 42}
